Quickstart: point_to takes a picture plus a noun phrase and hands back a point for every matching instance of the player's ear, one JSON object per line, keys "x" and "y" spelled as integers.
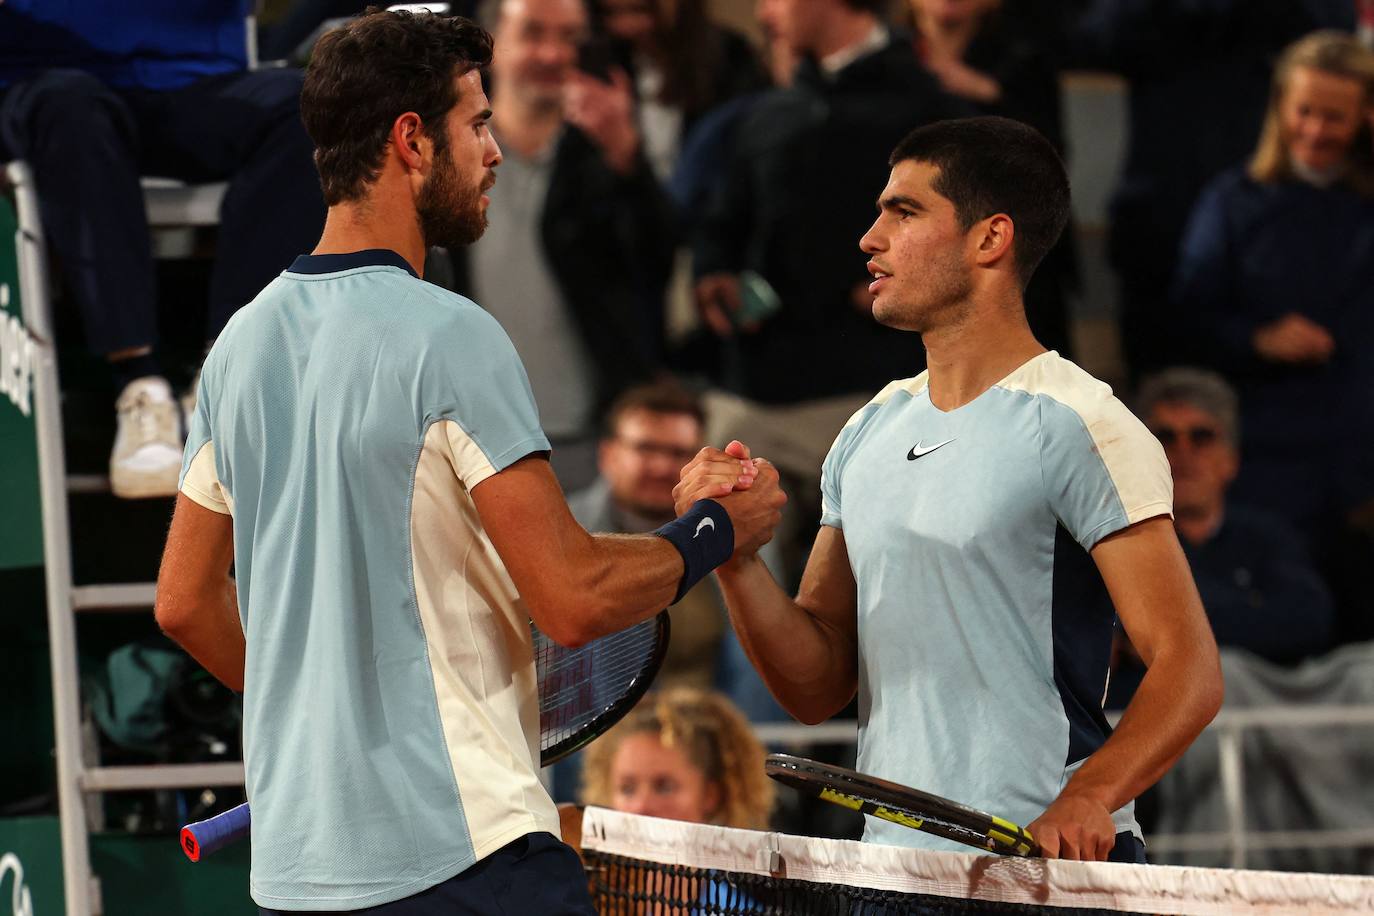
{"x": 408, "y": 138}
{"x": 994, "y": 236}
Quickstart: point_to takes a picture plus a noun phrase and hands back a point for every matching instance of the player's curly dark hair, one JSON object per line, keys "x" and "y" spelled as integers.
{"x": 365, "y": 75}
{"x": 713, "y": 734}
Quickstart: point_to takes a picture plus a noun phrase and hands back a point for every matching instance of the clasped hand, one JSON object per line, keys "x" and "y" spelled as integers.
{"x": 747, "y": 487}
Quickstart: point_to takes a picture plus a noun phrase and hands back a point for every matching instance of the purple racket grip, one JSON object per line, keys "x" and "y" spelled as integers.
{"x": 216, "y": 832}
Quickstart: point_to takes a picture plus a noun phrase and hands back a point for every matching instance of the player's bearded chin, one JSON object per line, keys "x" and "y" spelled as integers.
{"x": 450, "y": 211}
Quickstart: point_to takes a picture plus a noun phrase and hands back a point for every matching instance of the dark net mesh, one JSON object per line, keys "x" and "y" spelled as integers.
{"x": 644, "y": 866}
{"x": 630, "y": 887}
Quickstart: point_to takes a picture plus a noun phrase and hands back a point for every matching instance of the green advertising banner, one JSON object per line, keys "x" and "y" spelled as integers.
{"x": 139, "y": 875}
{"x": 21, "y": 515}
{"x": 30, "y": 867}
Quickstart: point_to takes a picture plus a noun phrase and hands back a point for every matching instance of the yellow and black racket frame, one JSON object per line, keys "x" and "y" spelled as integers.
{"x": 902, "y": 805}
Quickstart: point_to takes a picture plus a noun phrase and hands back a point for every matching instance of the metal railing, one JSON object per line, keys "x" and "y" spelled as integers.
{"x": 1230, "y": 727}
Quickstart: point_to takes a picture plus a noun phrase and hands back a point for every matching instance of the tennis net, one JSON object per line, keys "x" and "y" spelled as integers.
{"x": 640, "y": 866}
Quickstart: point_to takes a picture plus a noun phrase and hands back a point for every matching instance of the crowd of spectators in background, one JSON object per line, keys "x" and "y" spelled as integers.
{"x": 651, "y": 155}
{"x": 95, "y": 95}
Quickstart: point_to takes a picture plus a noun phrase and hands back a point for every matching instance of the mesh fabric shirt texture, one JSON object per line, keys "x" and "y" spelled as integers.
{"x": 390, "y": 708}
{"x": 982, "y": 670}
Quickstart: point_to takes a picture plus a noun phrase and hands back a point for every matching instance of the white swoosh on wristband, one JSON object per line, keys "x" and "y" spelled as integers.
{"x": 707, "y": 522}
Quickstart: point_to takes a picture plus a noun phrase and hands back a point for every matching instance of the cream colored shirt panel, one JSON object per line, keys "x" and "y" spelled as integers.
{"x": 201, "y": 483}
{"x": 1134, "y": 459}
{"x": 466, "y": 458}
{"x": 481, "y": 653}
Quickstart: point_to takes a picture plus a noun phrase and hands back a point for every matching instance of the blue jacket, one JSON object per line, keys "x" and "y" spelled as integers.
{"x": 129, "y": 44}
{"x": 1260, "y": 589}
{"x": 1254, "y": 252}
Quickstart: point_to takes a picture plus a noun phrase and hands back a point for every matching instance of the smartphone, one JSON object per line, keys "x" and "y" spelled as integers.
{"x": 758, "y": 299}
{"x": 596, "y": 58}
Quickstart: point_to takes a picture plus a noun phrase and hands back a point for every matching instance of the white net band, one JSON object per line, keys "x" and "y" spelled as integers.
{"x": 1039, "y": 883}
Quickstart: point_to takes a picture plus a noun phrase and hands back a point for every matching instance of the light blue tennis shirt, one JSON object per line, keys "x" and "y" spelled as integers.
{"x": 390, "y": 709}
{"x": 981, "y": 672}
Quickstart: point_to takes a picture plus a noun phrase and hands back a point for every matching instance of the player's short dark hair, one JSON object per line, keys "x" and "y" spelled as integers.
{"x": 995, "y": 165}
{"x": 665, "y": 397}
{"x": 365, "y": 75}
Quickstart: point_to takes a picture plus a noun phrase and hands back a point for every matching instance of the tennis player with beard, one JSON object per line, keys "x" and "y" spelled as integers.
{"x": 956, "y": 504}
{"x": 367, "y": 455}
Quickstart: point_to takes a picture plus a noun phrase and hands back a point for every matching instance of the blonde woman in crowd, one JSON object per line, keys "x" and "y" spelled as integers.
{"x": 1317, "y": 128}
{"x": 683, "y": 754}
{"x": 1275, "y": 289}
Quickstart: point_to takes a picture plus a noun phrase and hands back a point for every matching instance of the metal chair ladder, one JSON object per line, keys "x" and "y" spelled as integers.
{"x": 76, "y": 779}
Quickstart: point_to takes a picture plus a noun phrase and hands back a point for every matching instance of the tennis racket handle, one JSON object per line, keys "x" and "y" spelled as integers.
{"x": 216, "y": 832}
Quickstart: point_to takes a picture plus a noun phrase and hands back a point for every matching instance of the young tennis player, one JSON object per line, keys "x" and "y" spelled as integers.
{"x": 367, "y": 454}
{"x": 956, "y": 504}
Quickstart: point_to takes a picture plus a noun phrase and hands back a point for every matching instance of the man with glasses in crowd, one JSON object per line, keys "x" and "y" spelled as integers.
{"x": 652, "y": 431}
{"x": 1258, "y": 583}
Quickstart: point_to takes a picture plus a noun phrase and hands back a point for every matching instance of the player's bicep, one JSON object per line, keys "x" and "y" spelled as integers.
{"x": 197, "y": 559}
{"x": 1152, "y": 588}
{"x": 528, "y": 521}
{"x": 828, "y": 591}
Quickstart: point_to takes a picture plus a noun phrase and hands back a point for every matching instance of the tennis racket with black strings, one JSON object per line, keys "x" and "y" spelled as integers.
{"x": 902, "y": 805}
{"x": 582, "y": 693}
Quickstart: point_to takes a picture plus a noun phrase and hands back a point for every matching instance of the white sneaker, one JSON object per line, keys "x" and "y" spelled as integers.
{"x": 147, "y": 450}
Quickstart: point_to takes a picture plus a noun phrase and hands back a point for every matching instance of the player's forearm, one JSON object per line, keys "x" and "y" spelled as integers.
{"x": 635, "y": 576}
{"x": 1178, "y": 697}
{"x": 608, "y": 583}
{"x": 207, "y": 626}
{"x": 810, "y": 668}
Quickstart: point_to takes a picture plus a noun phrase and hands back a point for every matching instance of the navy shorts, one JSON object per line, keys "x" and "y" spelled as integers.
{"x": 534, "y": 874}
{"x": 1128, "y": 849}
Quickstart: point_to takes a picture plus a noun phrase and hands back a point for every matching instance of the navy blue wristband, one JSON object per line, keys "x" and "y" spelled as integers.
{"x": 705, "y": 538}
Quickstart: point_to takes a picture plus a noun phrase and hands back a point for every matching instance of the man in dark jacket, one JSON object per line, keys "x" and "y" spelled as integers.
{"x": 1257, "y": 581}
{"x": 581, "y": 236}
{"x": 780, "y": 274}
{"x": 95, "y": 94}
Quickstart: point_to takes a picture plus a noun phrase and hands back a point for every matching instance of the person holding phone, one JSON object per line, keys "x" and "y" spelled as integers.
{"x": 778, "y": 279}
{"x": 683, "y": 66}
{"x": 582, "y": 236}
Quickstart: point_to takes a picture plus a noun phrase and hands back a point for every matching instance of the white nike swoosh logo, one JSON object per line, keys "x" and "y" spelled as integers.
{"x": 705, "y": 523}
{"x": 917, "y": 451}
